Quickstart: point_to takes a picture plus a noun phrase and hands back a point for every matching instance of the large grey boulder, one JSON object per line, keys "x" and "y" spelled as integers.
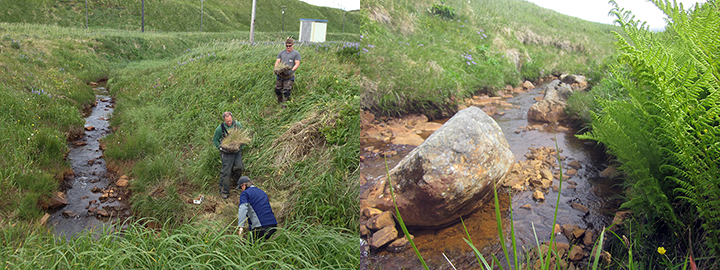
{"x": 552, "y": 107}
{"x": 449, "y": 175}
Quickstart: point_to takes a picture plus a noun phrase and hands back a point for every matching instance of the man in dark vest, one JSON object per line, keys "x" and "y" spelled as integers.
{"x": 254, "y": 208}
{"x": 231, "y": 161}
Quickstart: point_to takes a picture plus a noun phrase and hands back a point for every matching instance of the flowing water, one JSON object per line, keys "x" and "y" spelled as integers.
{"x": 84, "y": 208}
{"x": 441, "y": 246}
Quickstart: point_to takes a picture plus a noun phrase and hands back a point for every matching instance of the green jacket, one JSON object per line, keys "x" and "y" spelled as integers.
{"x": 220, "y": 135}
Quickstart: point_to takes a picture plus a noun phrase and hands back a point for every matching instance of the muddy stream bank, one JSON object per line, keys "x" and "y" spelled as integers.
{"x": 587, "y": 198}
{"x": 94, "y": 197}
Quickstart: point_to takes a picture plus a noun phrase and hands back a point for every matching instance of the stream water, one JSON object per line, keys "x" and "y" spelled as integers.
{"x": 444, "y": 246}
{"x": 87, "y": 208}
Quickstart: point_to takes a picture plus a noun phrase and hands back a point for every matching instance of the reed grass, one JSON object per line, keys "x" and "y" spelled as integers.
{"x": 298, "y": 245}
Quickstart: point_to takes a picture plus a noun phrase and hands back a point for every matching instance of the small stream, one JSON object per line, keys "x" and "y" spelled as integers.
{"x": 591, "y": 190}
{"x": 87, "y": 208}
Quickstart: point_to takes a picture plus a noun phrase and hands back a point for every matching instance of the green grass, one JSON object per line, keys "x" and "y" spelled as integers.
{"x": 178, "y": 15}
{"x": 168, "y": 109}
{"x": 419, "y": 62}
{"x": 208, "y": 245}
{"x": 169, "y": 90}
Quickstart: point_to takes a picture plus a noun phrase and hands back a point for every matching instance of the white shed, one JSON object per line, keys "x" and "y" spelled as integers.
{"x": 313, "y": 30}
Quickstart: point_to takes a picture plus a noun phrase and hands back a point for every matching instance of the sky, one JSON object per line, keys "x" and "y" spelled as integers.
{"x": 346, "y": 5}
{"x": 597, "y": 10}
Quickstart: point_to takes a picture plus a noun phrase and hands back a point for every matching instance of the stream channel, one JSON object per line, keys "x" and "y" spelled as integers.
{"x": 439, "y": 247}
{"x": 94, "y": 202}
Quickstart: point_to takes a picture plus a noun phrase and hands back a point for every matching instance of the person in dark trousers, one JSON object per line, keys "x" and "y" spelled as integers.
{"x": 254, "y": 208}
{"x": 290, "y": 58}
{"x": 231, "y": 161}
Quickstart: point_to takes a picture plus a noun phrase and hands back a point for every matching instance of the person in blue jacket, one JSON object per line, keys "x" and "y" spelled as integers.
{"x": 254, "y": 208}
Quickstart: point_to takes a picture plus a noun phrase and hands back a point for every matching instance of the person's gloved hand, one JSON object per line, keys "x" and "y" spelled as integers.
{"x": 290, "y": 72}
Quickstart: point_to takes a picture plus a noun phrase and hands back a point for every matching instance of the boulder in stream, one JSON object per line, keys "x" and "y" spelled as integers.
{"x": 552, "y": 107}
{"x": 449, "y": 175}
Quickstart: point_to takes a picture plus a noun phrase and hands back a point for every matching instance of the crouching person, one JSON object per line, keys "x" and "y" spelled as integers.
{"x": 255, "y": 209}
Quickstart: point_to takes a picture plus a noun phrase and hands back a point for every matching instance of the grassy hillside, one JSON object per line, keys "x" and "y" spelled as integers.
{"x": 436, "y": 60}
{"x": 177, "y": 15}
{"x": 178, "y": 83}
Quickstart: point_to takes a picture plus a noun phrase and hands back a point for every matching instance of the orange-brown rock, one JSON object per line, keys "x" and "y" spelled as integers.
{"x": 382, "y": 237}
{"x": 123, "y": 181}
{"x": 578, "y": 206}
{"x": 528, "y": 85}
{"x": 369, "y": 212}
{"x": 57, "y": 200}
{"x": 588, "y": 239}
{"x": 576, "y": 254}
{"x": 538, "y": 196}
{"x": 44, "y": 219}
{"x": 380, "y": 221}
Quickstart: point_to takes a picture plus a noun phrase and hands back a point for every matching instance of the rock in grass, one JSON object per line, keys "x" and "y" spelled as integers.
{"x": 123, "y": 181}
{"x": 234, "y": 139}
{"x": 59, "y": 199}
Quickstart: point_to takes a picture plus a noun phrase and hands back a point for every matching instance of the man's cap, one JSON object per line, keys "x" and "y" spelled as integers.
{"x": 243, "y": 180}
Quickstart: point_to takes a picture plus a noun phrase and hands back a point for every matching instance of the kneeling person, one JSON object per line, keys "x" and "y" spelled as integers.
{"x": 255, "y": 208}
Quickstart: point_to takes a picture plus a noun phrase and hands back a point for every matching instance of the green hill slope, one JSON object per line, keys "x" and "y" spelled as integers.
{"x": 177, "y": 15}
{"x": 435, "y": 61}
{"x": 169, "y": 89}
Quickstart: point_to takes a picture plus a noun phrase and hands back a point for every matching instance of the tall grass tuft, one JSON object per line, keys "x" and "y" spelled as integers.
{"x": 299, "y": 245}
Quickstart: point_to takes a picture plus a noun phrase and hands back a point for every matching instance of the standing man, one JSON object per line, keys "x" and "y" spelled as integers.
{"x": 291, "y": 58}
{"x": 255, "y": 208}
{"x": 231, "y": 161}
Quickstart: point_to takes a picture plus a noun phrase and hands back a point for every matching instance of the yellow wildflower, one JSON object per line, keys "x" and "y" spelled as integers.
{"x": 661, "y": 250}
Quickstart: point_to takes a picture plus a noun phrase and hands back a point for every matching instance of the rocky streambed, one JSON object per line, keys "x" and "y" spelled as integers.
{"x": 532, "y": 185}
{"x": 91, "y": 197}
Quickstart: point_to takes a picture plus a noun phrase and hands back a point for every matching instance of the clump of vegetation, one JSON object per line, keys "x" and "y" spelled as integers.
{"x": 234, "y": 139}
{"x": 15, "y": 44}
{"x": 445, "y": 12}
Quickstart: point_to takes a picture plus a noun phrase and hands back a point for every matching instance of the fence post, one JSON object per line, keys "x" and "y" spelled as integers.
{"x": 142, "y": 26}
{"x": 201, "y": 13}
{"x": 86, "y": 16}
{"x": 252, "y": 23}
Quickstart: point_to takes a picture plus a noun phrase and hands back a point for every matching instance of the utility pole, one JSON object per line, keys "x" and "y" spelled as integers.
{"x": 344, "y": 12}
{"x": 252, "y": 23}
{"x": 142, "y": 27}
{"x": 86, "y": 16}
{"x": 283, "y": 13}
{"x": 201, "y": 13}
